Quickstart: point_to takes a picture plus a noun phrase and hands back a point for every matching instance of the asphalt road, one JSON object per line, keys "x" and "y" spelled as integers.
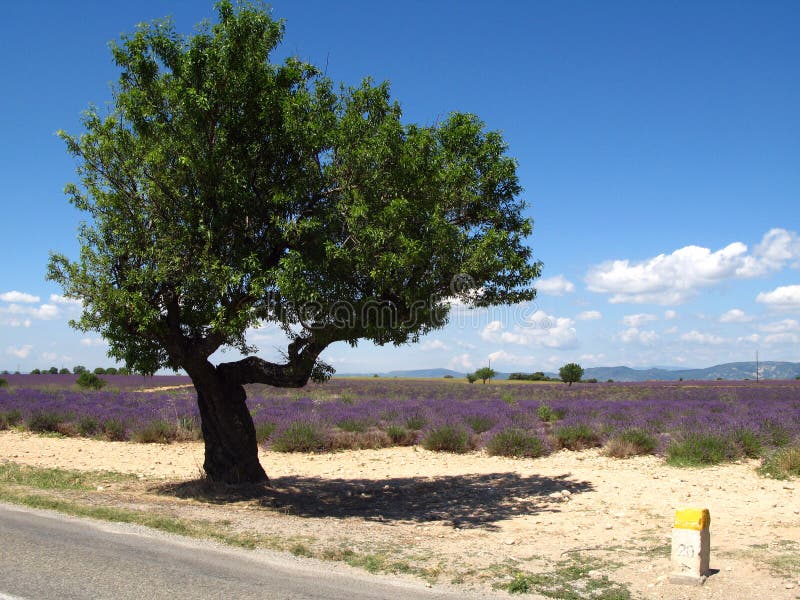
{"x": 47, "y": 555}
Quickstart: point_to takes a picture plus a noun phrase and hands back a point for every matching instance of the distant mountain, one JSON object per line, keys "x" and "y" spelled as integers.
{"x": 738, "y": 370}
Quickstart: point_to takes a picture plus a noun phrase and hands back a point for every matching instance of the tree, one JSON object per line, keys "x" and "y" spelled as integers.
{"x": 570, "y": 373}
{"x": 225, "y": 192}
{"x": 63, "y": 371}
{"x": 90, "y": 381}
{"x": 485, "y": 373}
{"x": 78, "y": 369}
{"x": 472, "y": 378}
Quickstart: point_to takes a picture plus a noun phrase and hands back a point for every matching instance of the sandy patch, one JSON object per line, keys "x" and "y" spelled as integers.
{"x": 473, "y": 512}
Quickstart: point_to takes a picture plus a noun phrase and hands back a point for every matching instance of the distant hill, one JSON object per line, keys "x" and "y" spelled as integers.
{"x": 737, "y": 370}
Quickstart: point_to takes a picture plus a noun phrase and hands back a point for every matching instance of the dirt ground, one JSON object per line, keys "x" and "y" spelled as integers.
{"x": 475, "y": 518}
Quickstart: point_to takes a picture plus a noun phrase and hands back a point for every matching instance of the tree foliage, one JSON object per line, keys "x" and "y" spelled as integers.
{"x": 224, "y": 192}
{"x": 485, "y": 373}
{"x": 570, "y": 373}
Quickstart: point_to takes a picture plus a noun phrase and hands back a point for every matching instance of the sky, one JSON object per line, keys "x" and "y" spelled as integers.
{"x": 658, "y": 145}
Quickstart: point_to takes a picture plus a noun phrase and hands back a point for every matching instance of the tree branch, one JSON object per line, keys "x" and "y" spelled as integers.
{"x": 303, "y": 354}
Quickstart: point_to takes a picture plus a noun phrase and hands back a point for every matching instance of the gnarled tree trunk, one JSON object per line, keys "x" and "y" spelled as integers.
{"x": 228, "y": 430}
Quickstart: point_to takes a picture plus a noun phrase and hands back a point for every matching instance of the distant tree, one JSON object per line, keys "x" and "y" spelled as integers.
{"x": 537, "y": 376}
{"x": 123, "y": 371}
{"x": 63, "y": 371}
{"x": 111, "y": 371}
{"x": 36, "y": 372}
{"x": 226, "y": 191}
{"x": 485, "y": 373}
{"x": 5, "y": 372}
{"x": 99, "y": 371}
{"x": 471, "y": 377}
{"x": 90, "y": 381}
{"x": 52, "y": 371}
{"x": 570, "y": 373}
{"x": 450, "y": 377}
{"x": 78, "y": 369}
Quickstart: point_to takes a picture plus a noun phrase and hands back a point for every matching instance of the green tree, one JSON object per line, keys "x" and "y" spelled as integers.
{"x": 36, "y": 372}
{"x": 472, "y": 378}
{"x": 90, "y": 381}
{"x": 570, "y": 373}
{"x": 485, "y": 373}
{"x": 224, "y": 191}
{"x": 63, "y": 371}
{"x": 78, "y": 369}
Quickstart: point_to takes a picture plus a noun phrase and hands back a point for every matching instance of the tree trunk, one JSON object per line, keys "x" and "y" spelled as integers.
{"x": 228, "y": 430}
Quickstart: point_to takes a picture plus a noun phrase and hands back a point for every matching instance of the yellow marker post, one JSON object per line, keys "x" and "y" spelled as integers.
{"x": 691, "y": 546}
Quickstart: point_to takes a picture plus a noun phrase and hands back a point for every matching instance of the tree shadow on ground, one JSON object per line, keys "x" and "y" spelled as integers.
{"x": 465, "y": 501}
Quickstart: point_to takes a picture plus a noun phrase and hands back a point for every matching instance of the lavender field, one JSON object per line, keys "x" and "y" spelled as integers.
{"x": 720, "y": 420}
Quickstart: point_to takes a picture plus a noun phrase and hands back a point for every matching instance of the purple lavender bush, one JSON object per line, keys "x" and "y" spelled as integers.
{"x": 743, "y": 419}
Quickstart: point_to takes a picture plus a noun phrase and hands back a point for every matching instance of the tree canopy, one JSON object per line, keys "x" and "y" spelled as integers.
{"x": 224, "y": 191}
{"x": 570, "y": 373}
{"x": 485, "y": 373}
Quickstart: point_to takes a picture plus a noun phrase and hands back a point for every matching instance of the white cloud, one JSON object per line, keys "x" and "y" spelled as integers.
{"x": 781, "y": 338}
{"x": 695, "y": 337}
{"x": 673, "y": 278}
{"x": 589, "y": 315}
{"x": 753, "y": 338}
{"x": 540, "y": 329}
{"x": 670, "y": 314}
{"x": 15, "y": 296}
{"x": 634, "y": 335}
{"x": 15, "y": 322}
{"x": 92, "y": 342}
{"x": 784, "y": 297}
{"x": 21, "y": 352}
{"x": 592, "y": 358}
{"x": 638, "y": 320}
{"x": 735, "y": 315}
{"x": 64, "y": 301}
{"x": 51, "y": 356}
{"x": 45, "y": 312}
{"x": 429, "y": 345}
{"x": 787, "y": 325}
{"x": 503, "y": 357}
{"x": 777, "y": 248}
{"x": 555, "y": 286}
{"x": 462, "y": 362}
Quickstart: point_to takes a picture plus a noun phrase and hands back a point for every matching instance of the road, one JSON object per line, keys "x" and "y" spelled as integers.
{"x": 47, "y": 555}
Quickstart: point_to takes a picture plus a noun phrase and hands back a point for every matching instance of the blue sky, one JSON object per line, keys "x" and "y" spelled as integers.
{"x": 658, "y": 145}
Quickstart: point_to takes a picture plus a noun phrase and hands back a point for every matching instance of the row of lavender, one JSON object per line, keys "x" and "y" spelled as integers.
{"x": 376, "y": 412}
